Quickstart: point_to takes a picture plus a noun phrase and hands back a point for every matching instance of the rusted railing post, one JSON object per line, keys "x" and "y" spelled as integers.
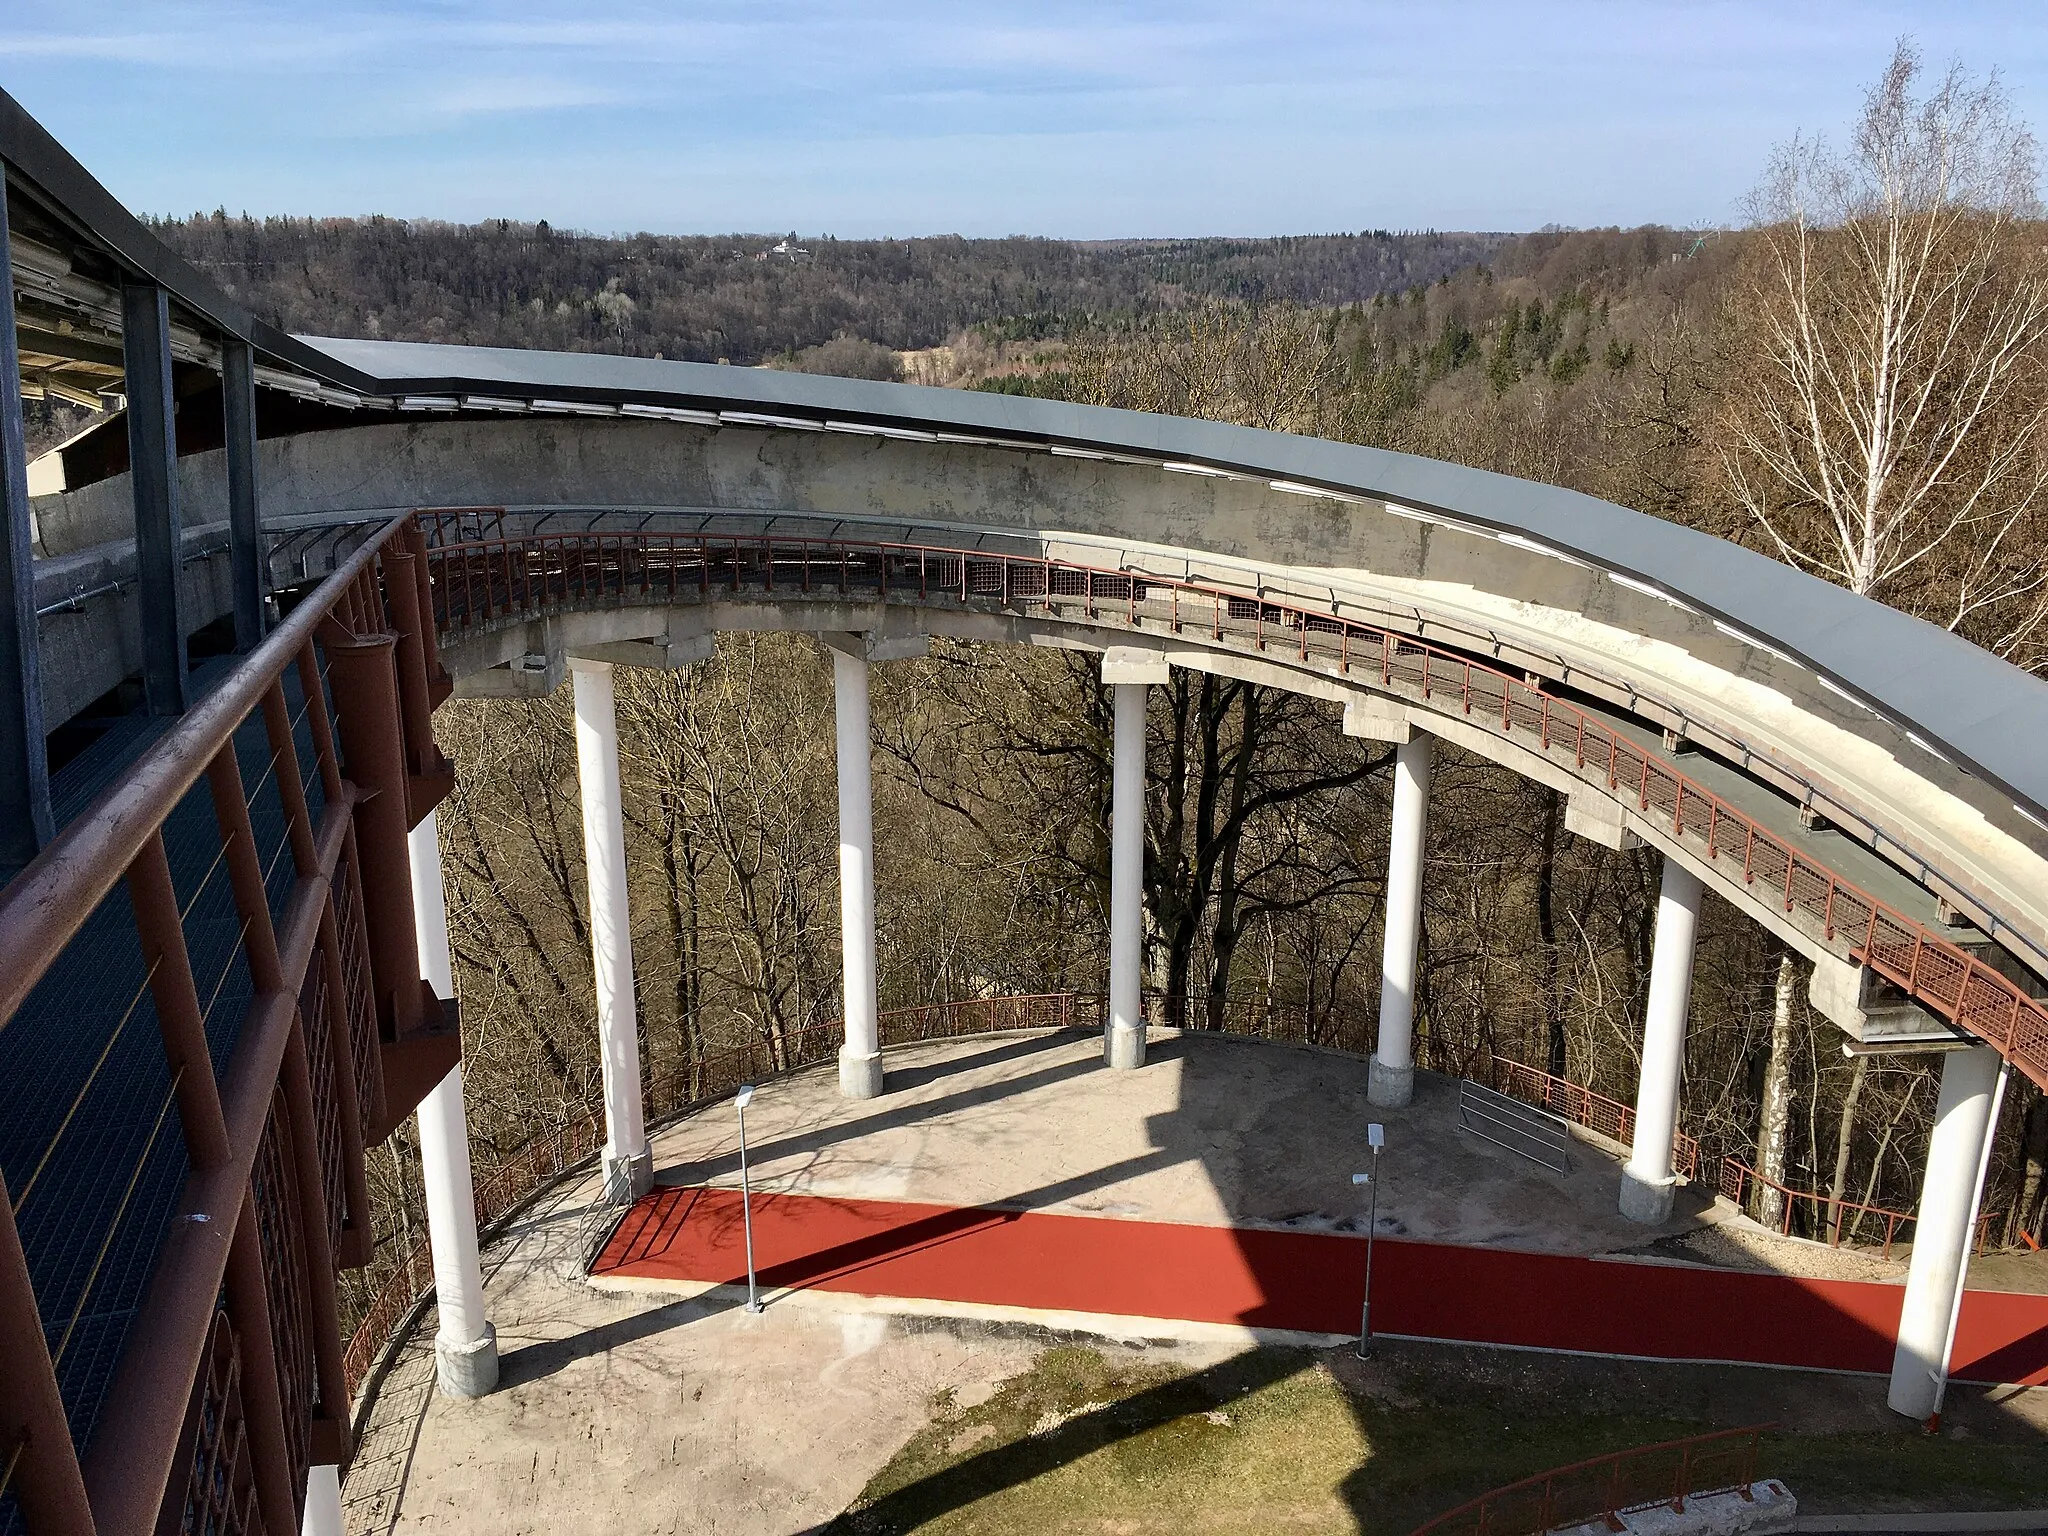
{"x": 266, "y": 971}
{"x": 249, "y": 1313}
{"x": 366, "y": 691}
{"x": 38, "y": 1464}
{"x": 169, "y": 967}
{"x": 402, "y": 595}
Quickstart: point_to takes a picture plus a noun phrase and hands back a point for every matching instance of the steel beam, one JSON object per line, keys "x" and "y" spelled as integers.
{"x": 245, "y": 529}
{"x": 25, "y": 820}
{"x": 153, "y": 463}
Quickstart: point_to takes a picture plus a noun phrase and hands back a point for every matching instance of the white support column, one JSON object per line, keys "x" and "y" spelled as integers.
{"x": 1647, "y": 1178}
{"x": 323, "y": 1502}
{"x": 860, "y": 1058}
{"x": 1952, "y": 1186}
{"x": 1124, "y": 1045}
{"x": 628, "y": 1163}
{"x": 1391, "y": 1077}
{"x": 465, "y": 1345}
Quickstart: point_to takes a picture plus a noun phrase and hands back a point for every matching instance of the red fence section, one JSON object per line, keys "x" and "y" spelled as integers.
{"x": 1582, "y": 1106}
{"x": 486, "y": 580}
{"x": 1607, "y": 1487}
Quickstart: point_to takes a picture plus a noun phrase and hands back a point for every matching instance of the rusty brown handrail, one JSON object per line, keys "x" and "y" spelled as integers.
{"x": 1607, "y": 1487}
{"x": 50, "y": 900}
{"x": 1582, "y": 1106}
{"x": 274, "y": 1201}
{"x": 1832, "y": 1215}
{"x": 514, "y": 576}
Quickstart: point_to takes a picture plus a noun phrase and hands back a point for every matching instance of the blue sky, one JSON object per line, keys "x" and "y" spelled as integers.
{"x": 865, "y": 118}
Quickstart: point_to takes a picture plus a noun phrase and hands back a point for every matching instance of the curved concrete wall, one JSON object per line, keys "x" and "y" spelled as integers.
{"x": 1510, "y": 601}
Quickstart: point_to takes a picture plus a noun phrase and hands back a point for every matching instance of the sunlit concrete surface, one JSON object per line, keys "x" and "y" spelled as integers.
{"x": 1217, "y": 1130}
{"x": 640, "y": 1414}
{"x": 656, "y": 1409}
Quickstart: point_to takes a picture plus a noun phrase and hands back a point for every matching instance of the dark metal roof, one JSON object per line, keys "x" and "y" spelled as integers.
{"x": 36, "y": 161}
{"x": 1984, "y": 713}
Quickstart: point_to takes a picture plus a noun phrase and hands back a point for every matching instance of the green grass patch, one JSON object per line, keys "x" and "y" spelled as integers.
{"x": 1310, "y": 1441}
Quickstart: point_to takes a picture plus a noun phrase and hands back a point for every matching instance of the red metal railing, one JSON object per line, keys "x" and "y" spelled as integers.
{"x": 1608, "y": 1487}
{"x": 232, "y": 1367}
{"x": 1822, "y": 1218}
{"x": 487, "y": 580}
{"x": 1582, "y": 1106}
{"x": 1802, "y": 1212}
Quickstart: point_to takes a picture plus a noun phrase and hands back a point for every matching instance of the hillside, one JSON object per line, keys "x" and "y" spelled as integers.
{"x": 740, "y": 298}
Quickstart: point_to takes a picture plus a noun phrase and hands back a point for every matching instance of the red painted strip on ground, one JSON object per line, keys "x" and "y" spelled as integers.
{"x": 1310, "y": 1281}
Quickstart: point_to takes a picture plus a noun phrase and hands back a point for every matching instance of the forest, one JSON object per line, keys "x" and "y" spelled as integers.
{"x": 1851, "y": 381}
{"x": 752, "y": 298}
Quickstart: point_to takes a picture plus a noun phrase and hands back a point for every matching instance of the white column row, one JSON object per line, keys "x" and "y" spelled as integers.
{"x": 1965, "y": 1115}
{"x": 1648, "y": 1179}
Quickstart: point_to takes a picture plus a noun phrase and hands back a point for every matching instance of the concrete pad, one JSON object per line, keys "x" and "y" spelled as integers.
{"x": 1216, "y": 1130}
{"x": 655, "y": 1413}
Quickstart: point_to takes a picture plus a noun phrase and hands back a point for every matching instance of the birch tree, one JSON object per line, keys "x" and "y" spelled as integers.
{"x": 1886, "y": 418}
{"x": 1886, "y": 415}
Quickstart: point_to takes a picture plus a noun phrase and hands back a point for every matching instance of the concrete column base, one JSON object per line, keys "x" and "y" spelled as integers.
{"x": 467, "y": 1370}
{"x": 323, "y": 1515}
{"x": 1124, "y": 1049}
{"x": 860, "y": 1075}
{"x": 1646, "y": 1200}
{"x": 1389, "y": 1087}
{"x": 626, "y": 1179}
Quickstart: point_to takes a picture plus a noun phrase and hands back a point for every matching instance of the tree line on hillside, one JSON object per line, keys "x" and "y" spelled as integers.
{"x": 749, "y": 298}
{"x": 1854, "y": 383}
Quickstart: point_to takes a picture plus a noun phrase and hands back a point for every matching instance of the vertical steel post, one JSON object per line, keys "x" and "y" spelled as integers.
{"x": 153, "y": 474}
{"x": 372, "y": 742}
{"x": 25, "y": 820}
{"x": 248, "y": 1300}
{"x": 248, "y": 578}
{"x": 35, "y": 1444}
{"x": 747, "y": 1200}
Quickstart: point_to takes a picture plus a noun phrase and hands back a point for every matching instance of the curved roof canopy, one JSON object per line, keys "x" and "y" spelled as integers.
{"x": 1984, "y": 713}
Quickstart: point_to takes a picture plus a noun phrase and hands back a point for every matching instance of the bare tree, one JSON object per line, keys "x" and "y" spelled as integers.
{"x": 1886, "y": 423}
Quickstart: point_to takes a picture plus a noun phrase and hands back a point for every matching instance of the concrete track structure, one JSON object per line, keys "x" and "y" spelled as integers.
{"x": 1870, "y": 789}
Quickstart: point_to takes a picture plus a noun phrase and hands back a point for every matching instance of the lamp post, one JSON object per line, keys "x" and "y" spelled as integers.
{"x": 740, "y": 1101}
{"x": 1376, "y": 1138}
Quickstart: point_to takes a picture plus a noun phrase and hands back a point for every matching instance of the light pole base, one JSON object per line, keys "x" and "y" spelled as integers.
{"x": 1389, "y": 1087}
{"x": 626, "y": 1179}
{"x": 860, "y": 1075}
{"x": 1123, "y": 1048}
{"x": 467, "y": 1370}
{"x": 1646, "y": 1200}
